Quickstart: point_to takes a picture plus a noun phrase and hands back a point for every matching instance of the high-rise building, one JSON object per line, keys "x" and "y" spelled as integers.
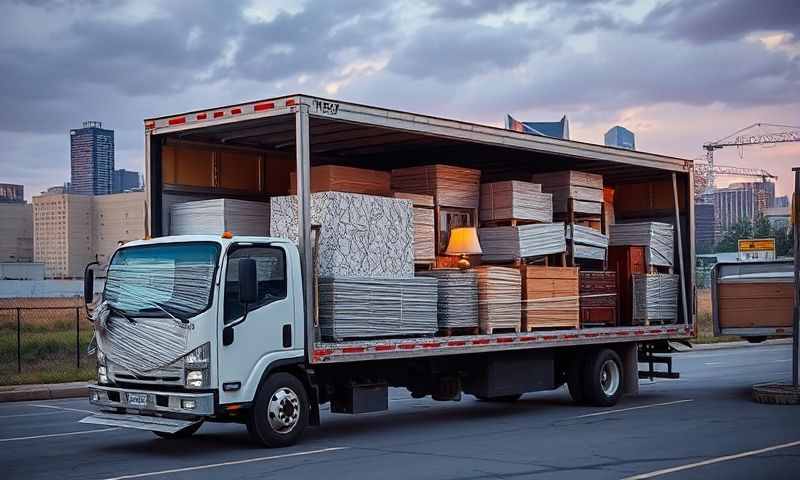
{"x": 91, "y": 159}
{"x": 559, "y": 129}
{"x": 620, "y": 137}
{"x": 125, "y": 181}
{"x": 16, "y": 232}
{"x": 782, "y": 201}
{"x": 704, "y": 227}
{"x": 12, "y": 193}
{"x": 70, "y": 231}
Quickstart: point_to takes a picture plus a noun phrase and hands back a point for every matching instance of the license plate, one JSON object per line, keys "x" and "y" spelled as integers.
{"x": 137, "y": 400}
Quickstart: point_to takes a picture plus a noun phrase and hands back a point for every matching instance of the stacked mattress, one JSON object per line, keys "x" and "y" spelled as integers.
{"x": 511, "y": 243}
{"x": 458, "y": 297}
{"x": 657, "y": 237}
{"x": 352, "y": 308}
{"x": 212, "y": 217}
{"x": 655, "y": 297}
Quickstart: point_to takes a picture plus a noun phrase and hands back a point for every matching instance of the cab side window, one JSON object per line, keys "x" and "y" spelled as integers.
{"x": 270, "y": 273}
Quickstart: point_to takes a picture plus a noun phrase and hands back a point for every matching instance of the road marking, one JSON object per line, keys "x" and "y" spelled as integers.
{"x": 82, "y": 432}
{"x": 609, "y": 412}
{"x": 225, "y": 464}
{"x": 29, "y": 414}
{"x": 784, "y": 360}
{"x": 710, "y": 461}
{"x": 712, "y": 363}
{"x": 63, "y": 408}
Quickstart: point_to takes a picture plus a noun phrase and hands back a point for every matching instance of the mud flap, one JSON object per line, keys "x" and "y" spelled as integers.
{"x": 139, "y": 422}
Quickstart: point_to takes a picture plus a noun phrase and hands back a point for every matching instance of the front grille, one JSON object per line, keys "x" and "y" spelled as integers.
{"x": 145, "y": 378}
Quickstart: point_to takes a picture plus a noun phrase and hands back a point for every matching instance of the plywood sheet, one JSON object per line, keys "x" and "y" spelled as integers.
{"x": 550, "y": 297}
{"x": 451, "y": 186}
{"x": 458, "y": 297}
{"x": 515, "y": 200}
{"x": 499, "y": 295}
{"x": 337, "y": 178}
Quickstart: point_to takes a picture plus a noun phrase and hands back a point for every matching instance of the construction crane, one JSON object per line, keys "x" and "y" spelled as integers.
{"x": 755, "y": 134}
{"x": 703, "y": 172}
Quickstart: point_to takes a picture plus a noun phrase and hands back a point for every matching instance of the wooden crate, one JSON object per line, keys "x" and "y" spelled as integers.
{"x": 626, "y": 260}
{"x": 598, "y": 316}
{"x": 756, "y": 305}
{"x": 337, "y": 178}
{"x": 424, "y": 226}
{"x": 499, "y": 290}
{"x": 550, "y": 297}
{"x": 598, "y": 292}
{"x": 451, "y": 186}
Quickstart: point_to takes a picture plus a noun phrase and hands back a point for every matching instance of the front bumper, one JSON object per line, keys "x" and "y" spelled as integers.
{"x": 158, "y": 403}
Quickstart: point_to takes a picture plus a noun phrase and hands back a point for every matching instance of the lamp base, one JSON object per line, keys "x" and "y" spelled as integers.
{"x": 463, "y": 263}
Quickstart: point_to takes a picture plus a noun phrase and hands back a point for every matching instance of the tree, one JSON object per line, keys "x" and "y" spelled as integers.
{"x": 730, "y": 238}
{"x": 759, "y": 228}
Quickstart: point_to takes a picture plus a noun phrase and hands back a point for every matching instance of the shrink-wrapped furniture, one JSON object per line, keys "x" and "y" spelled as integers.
{"x": 549, "y": 297}
{"x": 655, "y": 298}
{"x": 513, "y": 242}
{"x": 586, "y": 189}
{"x": 588, "y": 242}
{"x": 361, "y": 236}
{"x": 515, "y": 200}
{"x": 499, "y": 293}
{"x": 458, "y": 297}
{"x": 424, "y": 227}
{"x": 336, "y": 178}
{"x": 351, "y": 308}
{"x": 212, "y": 217}
{"x": 656, "y": 236}
{"x": 450, "y": 186}
{"x": 598, "y": 292}
{"x": 626, "y": 261}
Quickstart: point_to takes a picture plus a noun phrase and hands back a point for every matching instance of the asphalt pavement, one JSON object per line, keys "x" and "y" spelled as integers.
{"x": 702, "y": 426}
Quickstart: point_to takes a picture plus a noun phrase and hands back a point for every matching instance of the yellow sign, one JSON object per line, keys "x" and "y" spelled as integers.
{"x": 757, "y": 245}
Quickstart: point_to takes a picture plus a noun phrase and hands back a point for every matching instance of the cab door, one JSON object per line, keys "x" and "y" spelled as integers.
{"x": 261, "y": 331}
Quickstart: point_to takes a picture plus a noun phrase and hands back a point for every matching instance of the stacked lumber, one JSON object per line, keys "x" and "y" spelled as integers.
{"x": 424, "y": 226}
{"x": 361, "y": 236}
{"x": 522, "y": 241}
{"x": 336, "y": 178}
{"x": 499, "y": 290}
{"x": 514, "y": 200}
{"x": 550, "y": 297}
{"x": 598, "y": 292}
{"x": 658, "y": 238}
{"x": 655, "y": 297}
{"x": 589, "y": 243}
{"x": 351, "y": 308}
{"x": 450, "y": 186}
{"x": 586, "y": 189}
{"x": 219, "y": 215}
{"x": 458, "y": 297}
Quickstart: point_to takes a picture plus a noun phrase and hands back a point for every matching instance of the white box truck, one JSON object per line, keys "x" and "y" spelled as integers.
{"x": 193, "y": 328}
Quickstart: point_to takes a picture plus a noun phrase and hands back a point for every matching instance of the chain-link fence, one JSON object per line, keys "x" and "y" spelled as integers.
{"x": 44, "y": 345}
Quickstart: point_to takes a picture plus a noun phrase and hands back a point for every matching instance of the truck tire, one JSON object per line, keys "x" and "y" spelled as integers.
{"x": 280, "y": 411}
{"x": 602, "y": 378}
{"x": 575, "y": 379}
{"x": 186, "y": 432}
{"x": 501, "y": 399}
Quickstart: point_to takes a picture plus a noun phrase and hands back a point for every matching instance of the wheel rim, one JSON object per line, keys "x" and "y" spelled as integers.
{"x": 283, "y": 411}
{"x": 609, "y": 377}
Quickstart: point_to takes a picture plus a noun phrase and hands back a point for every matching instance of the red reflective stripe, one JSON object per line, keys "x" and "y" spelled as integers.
{"x": 657, "y": 330}
{"x": 505, "y": 340}
{"x": 353, "y": 349}
{"x": 407, "y": 346}
{"x": 431, "y": 345}
{"x": 484, "y": 341}
{"x": 290, "y": 102}
{"x": 569, "y": 337}
{"x": 640, "y": 332}
{"x": 550, "y": 337}
{"x": 384, "y": 348}
{"x": 201, "y": 116}
{"x": 236, "y": 111}
{"x": 218, "y": 114}
{"x": 177, "y": 120}
{"x": 622, "y": 333}
{"x": 323, "y": 352}
{"x": 150, "y": 125}
{"x": 527, "y": 339}
{"x": 590, "y": 335}
{"x": 456, "y": 343}
{"x": 263, "y": 106}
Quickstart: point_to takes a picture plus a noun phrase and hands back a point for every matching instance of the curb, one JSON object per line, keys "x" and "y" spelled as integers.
{"x": 44, "y": 392}
{"x": 736, "y": 344}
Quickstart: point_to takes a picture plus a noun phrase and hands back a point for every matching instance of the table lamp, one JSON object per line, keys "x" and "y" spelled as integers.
{"x": 463, "y": 242}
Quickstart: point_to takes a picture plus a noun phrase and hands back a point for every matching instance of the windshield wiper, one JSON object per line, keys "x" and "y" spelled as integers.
{"x": 122, "y": 314}
{"x": 163, "y": 309}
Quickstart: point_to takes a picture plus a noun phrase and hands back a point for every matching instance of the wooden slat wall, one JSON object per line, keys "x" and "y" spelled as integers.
{"x": 753, "y": 305}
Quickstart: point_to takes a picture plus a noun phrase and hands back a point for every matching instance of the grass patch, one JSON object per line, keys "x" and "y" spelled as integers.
{"x": 46, "y": 356}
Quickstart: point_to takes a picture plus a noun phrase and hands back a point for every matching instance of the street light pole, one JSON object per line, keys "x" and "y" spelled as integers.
{"x": 796, "y": 251}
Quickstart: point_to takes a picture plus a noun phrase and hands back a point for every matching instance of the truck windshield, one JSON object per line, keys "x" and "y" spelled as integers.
{"x": 172, "y": 280}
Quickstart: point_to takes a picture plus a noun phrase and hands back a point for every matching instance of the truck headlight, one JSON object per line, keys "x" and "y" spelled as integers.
{"x": 102, "y": 375}
{"x": 196, "y": 366}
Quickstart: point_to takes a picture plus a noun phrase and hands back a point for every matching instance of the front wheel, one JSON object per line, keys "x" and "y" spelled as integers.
{"x": 280, "y": 411}
{"x": 602, "y": 378}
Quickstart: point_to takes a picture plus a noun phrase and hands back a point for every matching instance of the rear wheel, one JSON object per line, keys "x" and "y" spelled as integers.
{"x": 186, "y": 432}
{"x": 280, "y": 411}
{"x": 755, "y": 339}
{"x": 602, "y": 378}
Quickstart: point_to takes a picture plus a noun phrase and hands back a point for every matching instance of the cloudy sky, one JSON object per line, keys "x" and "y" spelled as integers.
{"x": 678, "y": 73}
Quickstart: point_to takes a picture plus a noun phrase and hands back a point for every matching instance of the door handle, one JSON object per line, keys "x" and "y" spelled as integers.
{"x": 287, "y": 336}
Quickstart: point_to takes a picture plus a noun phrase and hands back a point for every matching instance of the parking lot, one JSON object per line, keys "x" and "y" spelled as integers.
{"x": 703, "y": 425}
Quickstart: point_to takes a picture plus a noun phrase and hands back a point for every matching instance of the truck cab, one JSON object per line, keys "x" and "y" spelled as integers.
{"x": 187, "y": 327}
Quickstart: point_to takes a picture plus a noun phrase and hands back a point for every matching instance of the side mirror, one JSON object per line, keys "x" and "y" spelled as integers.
{"x": 248, "y": 281}
{"x": 88, "y": 283}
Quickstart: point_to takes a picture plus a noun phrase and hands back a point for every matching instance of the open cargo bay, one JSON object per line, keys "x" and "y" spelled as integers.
{"x": 254, "y": 151}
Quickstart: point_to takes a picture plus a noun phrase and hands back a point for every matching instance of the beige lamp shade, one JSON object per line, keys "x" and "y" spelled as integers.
{"x": 463, "y": 241}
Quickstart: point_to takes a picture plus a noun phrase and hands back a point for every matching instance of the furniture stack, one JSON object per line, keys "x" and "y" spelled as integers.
{"x": 511, "y": 243}
{"x": 424, "y": 226}
{"x": 549, "y": 297}
{"x": 212, "y": 217}
{"x": 626, "y": 261}
{"x": 598, "y": 292}
{"x": 657, "y": 238}
{"x": 584, "y": 190}
{"x": 499, "y": 290}
{"x": 516, "y": 202}
{"x": 458, "y": 298}
{"x": 336, "y": 178}
{"x": 456, "y": 187}
{"x": 655, "y": 298}
{"x": 587, "y": 242}
{"x": 352, "y": 308}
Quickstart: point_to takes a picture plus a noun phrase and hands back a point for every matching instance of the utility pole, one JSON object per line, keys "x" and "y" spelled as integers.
{"x": 796, "y": 244}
